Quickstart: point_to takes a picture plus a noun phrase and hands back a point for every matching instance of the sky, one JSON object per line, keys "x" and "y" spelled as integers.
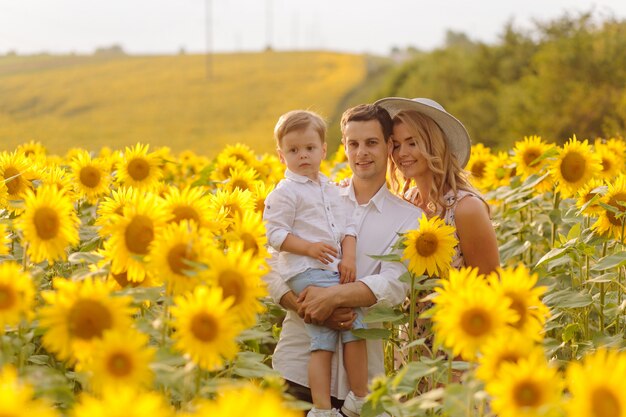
{"x": 195, "y": 26}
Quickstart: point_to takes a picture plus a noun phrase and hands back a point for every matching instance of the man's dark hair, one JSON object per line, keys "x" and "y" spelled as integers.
{"x": 365, "y": 113}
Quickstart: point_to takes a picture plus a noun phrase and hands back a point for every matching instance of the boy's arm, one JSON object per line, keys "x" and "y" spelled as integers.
{"x": 347, "y": 266}
{"x": 323, "y": 252}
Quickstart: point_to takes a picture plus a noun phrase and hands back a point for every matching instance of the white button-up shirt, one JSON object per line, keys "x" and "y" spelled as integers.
{"x": 311, "y": 211}
{"x": 378, "y": 224}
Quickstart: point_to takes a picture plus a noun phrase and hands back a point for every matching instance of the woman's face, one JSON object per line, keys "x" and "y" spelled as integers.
{"x": 406, "y": 154}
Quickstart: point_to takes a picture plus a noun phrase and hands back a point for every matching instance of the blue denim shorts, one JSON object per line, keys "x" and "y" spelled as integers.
{"x": 323, "y": 338}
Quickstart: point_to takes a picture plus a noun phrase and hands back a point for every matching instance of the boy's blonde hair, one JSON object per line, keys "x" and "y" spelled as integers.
{"x": 299, "y": 120}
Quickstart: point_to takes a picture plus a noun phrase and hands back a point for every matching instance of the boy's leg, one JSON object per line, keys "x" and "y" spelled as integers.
{"x": 355, "y": 362}
{"x": 319, "y": 378}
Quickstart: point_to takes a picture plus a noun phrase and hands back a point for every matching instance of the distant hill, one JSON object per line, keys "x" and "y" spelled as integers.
{"x": 95, "y": 101}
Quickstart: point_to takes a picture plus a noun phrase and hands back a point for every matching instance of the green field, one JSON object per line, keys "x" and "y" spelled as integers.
{"x": 177, "y": 101}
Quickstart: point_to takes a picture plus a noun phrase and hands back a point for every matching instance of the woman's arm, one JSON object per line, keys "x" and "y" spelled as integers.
{"x": 476, "y": 235}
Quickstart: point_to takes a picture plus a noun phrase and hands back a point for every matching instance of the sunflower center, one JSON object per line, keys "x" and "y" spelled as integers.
{"x": 527, "y": 394}
{"x": 233, "y": 209}
{"x": 7, "y": 297}
{"x": 138, "y": 169}
{"x": 616, "y": 201}
{"x": 139, "y": 234}
{"x": 606, "y": 165}
{"x": 260, "y": 205}
{"x": 476, "y": 322}
{"x": 47, "y": 223}
{"x": 204, "y": 327}
{"x": 185, "y": 213}
{"x": 241, "y": 184}
{"x": 573, "y": 167}
{"x": 478, "y": 169}
{"x": 119, "y": 210}
{"x": 426, "y": 244}
{"x": 177, "y": 256}
{"x": 90, "y": 176}
{"x": 530, "y": 155}
{"x": 226, "y": 171}
{"x": 604, "y": 403}
{"x": 507, "y": 357}
{"x": 13, "y": 185}
{"x": 119, "y": 364}
{"x": 519, "y": 306}
{"x": 122, "y": 280}
{"x": 250, "y": 243}
{"x": 232, "y": 285}
{"x": 88, "y": 319}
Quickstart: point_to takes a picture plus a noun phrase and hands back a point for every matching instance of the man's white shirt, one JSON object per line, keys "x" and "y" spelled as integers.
{"x": 378, "y": 224}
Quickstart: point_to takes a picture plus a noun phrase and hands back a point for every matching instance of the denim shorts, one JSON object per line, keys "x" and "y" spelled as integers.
{"x": 323, "y": 338}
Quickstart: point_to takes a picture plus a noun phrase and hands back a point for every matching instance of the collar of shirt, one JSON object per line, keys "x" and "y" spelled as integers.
{"x": 303, "y": 179}
{"x": 378, "y": 200}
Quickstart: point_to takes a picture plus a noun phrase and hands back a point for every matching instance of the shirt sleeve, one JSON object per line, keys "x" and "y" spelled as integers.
{"x": 279, "y": 215}
{"x": 351, "y": 224}
{"x": 386, "y": 285}
{"x": 276, "y": 285}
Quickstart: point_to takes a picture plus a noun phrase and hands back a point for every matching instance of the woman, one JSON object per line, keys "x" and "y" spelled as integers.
{"x": 431, "y": 147}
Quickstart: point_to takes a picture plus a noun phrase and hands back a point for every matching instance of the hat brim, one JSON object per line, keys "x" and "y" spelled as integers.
{"x": 457, "y": 137}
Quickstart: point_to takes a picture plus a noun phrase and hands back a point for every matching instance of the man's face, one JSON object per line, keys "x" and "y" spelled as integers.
{"x": 366, "y": 149}
{"x": 302, "y": 151}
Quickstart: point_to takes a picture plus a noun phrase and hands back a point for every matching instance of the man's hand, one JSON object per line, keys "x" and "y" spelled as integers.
{"x": 316, "y": 304}
{"x": 341, "y": 319}
{"x": 323, "y": 252}
{"x": 347, "y": 270}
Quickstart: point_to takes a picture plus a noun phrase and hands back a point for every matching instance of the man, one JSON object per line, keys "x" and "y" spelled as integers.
{"x": 380, "y": 216}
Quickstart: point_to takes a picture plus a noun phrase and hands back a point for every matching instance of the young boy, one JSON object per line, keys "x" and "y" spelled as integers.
{"x": 312, "y": 228}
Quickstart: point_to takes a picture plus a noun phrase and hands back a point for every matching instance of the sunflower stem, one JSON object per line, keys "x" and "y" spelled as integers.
{"x": 412, "y": 316}
{"x": 602, "y": 293}
{"x": 450, "y": 368}
{"x": 198, "y": 381}
{"x": 164, "y": 326}
{"x": 556, "y": 201}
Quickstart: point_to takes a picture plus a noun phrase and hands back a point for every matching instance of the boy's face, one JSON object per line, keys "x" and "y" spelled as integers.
{"x": 302, "y": 151}
{"x": 366, "y": 149}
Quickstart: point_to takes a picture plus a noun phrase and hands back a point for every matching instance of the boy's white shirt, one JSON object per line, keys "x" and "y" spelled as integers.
{"x": 311, "y": 211}
{"x": 378, "y": 224}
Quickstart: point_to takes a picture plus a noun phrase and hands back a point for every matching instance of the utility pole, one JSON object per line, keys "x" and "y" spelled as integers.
{"x": 209, "y": 39}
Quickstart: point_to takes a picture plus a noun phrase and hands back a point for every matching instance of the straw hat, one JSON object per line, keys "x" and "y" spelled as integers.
{"x": 457, "y": 137}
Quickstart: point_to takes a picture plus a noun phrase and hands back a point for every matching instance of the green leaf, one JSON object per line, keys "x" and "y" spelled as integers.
{"x": 390, "y": 257}
{"x": 553, "y": 254}
{"x": 381, "y": 313}
{"x": 570, "y": 331}
{"x": 372, "y": 333}
{"x": 84, "y": 257}
{"x": 612, "y": 261}
{"x": 574, "y": 232}
{"x": 567, "y": 298}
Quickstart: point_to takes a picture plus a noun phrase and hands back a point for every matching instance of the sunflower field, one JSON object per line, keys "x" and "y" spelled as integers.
{"x": 131, "y": 284}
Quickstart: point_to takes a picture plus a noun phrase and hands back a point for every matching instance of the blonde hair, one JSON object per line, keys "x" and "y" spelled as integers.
{"x": 432, "y": 143}
{"x": 299, "y": 120}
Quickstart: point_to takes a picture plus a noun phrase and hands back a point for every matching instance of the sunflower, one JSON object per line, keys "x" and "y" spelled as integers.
{"x": 527, "y": 388}
{"x": 430, "y": 248}
{"x": 17, "y": 295}
{"x": 190, "y": 203}
{"x": 270, "y": 169}
{"x": 133, "y": 235}
{"x": 5, "y": 239}
{"x": 58, "y": 177}
{"x": 595, "y": 187}
{"x": 526, "y": 154}
{"x": 139, "y": 169}
{"x": 499, "y": 170}
{"x": 238, "y": 401}
{"x": 250, "y": 231}
{"x": 49, "y": 224}
{"x": 110, "y": 209}
{"x": 260, "y": 191}
{"x": 460, "y": 280}
{"x": 4, "y": 195}
{"x": 609, "y": 223}
{"x": 77, "y": 314}
{"x": 343, "y": 173}
{"x": 326, "y": 167}
{"x": 610, "y": 161}
{"x": 508, "y": 346}
{"x": 122, "y": 402}
{"x": 239, "y": 274}
{"x": 180, "y": 245}
{"x": 205, "y": 327}
{"x": 468, "y": 316}
{"x": 519, "y": 286}
{"x": 617, "y": 147}
{"x": 597, "y": 385}
{"x": 242, "y": 179}
{"x": 120, "y": 358}
{"x": 17, "y": 398}
{"x": 575, "y": 165}
{"x": 224, "y": 166}
{"x": 479, "y": 157}
{"x": 17, "y": 172}
{"x": 238, "y": 151}
{"x": 234, "y": 203}
{"x": 35, "y": 151}
{"x": 91, "y": 177}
